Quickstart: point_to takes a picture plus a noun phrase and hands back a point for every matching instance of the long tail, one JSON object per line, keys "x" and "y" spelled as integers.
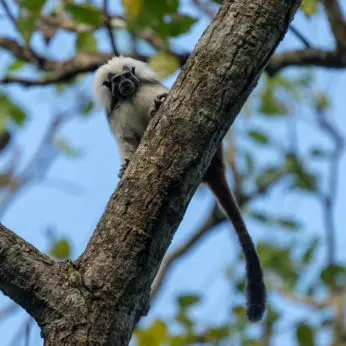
{"x": 256, "y": 290}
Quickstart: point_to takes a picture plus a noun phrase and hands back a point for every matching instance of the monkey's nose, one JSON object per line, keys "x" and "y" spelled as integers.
{"x": 126, "y": 88}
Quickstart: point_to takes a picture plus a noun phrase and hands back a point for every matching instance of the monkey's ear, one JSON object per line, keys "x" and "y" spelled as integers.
{"x": 107, "y": 84}
{"x": 129, "y": 68}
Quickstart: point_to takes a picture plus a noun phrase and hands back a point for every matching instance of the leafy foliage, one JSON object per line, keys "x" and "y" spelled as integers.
{"x": 85, "y": 13}
{"x": 272, "y": 104}
{"x": 60, "y": 249}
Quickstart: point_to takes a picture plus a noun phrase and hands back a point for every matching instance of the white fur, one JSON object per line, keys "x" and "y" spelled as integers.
{"x": 129, "y": 119}
{"x": 115, "y": 65}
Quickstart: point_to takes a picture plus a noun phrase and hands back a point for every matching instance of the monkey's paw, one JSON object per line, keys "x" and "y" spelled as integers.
{"x": 123, "y": 168}
{"x": 157, "y": 103}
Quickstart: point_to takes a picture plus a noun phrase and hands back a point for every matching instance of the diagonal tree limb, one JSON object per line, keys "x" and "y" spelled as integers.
{"x": 25, "y": 273}
{"x": 145, "y": 210}
{"x": 98, "y": 299}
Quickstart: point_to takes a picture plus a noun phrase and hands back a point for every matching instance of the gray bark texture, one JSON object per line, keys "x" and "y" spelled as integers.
{"x": 99, "y": 298}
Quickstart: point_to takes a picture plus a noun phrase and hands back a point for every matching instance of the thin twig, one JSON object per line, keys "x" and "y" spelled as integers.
{"x": 9, "y": 14}
{"x": 306, "y": 300}
{"x": 329, "y": 198}
{"x": 336, "y": 22}
{"x": 300, "y": 36}
{"x": 109, "y": 27}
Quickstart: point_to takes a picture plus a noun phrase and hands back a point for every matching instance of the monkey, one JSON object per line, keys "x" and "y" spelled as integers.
{"x": 131, "y": 94}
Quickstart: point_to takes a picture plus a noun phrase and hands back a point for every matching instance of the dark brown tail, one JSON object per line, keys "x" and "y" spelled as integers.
{"x": 256, "y": 291}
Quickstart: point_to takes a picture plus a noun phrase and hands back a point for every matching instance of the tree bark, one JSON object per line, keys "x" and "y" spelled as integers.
{"x": 99, "y": 298}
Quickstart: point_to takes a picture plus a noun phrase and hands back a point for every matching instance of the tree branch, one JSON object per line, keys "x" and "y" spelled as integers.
{"x": 304, "y": 58}
{"x": 24, "y": 272}
{"x": 109, "y": 28}
{"x": 336, "y": 22}
{"x": 300, "y": 36}
{"x": 328, "y": 199}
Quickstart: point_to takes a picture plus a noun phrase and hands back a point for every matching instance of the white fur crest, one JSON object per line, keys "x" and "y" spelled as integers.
{"x": 115, "y": 65}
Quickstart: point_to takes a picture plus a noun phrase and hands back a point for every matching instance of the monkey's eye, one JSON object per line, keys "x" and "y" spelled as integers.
{"x": 133, "y": 69}
{"x": 127, "y": 74}
{"x": 115, "y": 79}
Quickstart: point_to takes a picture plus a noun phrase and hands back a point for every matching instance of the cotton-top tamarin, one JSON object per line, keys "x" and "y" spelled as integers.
{"x": 131, "y": 94}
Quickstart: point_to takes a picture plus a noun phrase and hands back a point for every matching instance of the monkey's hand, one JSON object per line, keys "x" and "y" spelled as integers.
{"x": 123, "y": 168}
{"x": 157, "y": 103}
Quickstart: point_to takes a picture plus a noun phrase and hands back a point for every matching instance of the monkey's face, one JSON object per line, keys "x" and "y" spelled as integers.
{"x": 123, "y": 85}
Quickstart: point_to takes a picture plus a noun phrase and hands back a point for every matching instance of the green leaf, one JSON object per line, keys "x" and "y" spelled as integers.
{"x": 270, "y": 105}
{"x": 321, "y": 102}
{"x": 258, "y": 137}
{"x": 319, "y": 153}
{"x": 305, "y": 335}
{"x": 164, "y": 63}
{"x": 15, "y": 65}
{"x": 32, "y": 5}
{"x": 10, "y": 110}
{"x": 239, "y": 312}
{"x": 272, "y": 316}
{"x": 309, "y": 7}
{"x": 260, "y": 216}
{"x": 184, "y": 320}
{"x": 155, "y": 335}
{"x": 334, "y": 275}
{"x": 161, "y": 8}
{"x": 66, "y": 148}
{"x": 302, "y": 179}
{"x": 85, "y": 42}
{"x": 132, "y": 8}
{"x": 268, "y": 175}
{"x": 288, "y": 223}
{"x": 279, "y": 261}
{"x": 60, "y": 250}
{"x": 87, "y": 108}
{"x": 217, "y": 333}
{"x": 30, "y": 11}
{"x": 84, "y": 13}
{"x": 187, "y": 300}
{"x": 307, "y": 256}
{"x": 160, "y": 16}
{"x": 179, "y": 24}
{"x": 246, "y": 341}
{"x": 159, "y": 328}
{"x": 26, "y": 24}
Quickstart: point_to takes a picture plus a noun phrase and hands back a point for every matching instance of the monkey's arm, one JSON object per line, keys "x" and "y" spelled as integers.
{"x": 157, "y": 103}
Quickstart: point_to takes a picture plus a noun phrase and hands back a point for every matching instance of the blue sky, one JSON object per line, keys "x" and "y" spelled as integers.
{"x": 95, "y": 173}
